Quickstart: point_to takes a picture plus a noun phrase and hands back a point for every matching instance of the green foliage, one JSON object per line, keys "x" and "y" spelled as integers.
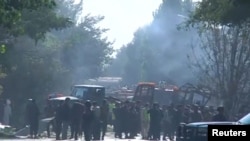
{"x": 68, "y": 53}
{"x": 68, "y": 8}
{"x": 33, "y": 72}
{"x": 223, "y": 12}
{"x": 11, "y": 10}
{"x": 27, "y": 18}
{"x": 224, "y": 49}
{"x": 2, "y": 76}
{"x": 36, "y": 28}
{"x": 3, "y": 49}
{"x": 85, "y": 49}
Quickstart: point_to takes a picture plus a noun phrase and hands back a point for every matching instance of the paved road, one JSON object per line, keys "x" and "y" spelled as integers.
{"x": 108, "y": 138}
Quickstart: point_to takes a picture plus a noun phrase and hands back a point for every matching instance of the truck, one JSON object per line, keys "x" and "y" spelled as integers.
{"x": 149, "y": 92}
{"x": 89, "y": 92}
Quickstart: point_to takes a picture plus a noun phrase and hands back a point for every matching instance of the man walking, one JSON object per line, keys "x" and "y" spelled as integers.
{"x": 33, "y": 113}
{"x": 76, "y": 119}
{"x": 65, "y": 118}
{"x": 145, "y": 119}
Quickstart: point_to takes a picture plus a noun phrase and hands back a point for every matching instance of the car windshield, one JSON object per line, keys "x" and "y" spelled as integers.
{"x": 79, "y": 92}
{"x": 245, "y": 119}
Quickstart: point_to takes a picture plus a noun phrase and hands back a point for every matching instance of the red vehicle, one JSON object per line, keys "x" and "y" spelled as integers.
{"x": 55, "y": 95}
{"x": 148, "y": 92}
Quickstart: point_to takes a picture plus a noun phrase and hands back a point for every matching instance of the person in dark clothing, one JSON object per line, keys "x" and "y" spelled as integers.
{"x": 161, "y": 115}
{"x": 133, "y": 121}
{"x": 96, "y": 123}
{"x": 125, "y": 120}
{"x": 88, "y": 117}
{"x": 138, "y": 119}
{"x": 1, "y": 110}
{"x": 65, "y": 117}
{"x": 58, "y": 120}
{"x": 104, "y": 116}
{"x": 165, "y": 121}
{"x": 33, "y": 113}
{"x": 220, "y": 116}
{"x": 155, "y": 121}
{"x": 196, "y": 115}
{"x": 174, "y": 121}
{"x": 49, "y": 112}
{"x": 76, "y": 119}
{"x": 117, "y": 122}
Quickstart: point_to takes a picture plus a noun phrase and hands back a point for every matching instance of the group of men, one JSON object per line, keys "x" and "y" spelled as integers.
{"x": 89, "y": 118}
{"x": 129, "y": 119}
{"x": 152, "y": 121}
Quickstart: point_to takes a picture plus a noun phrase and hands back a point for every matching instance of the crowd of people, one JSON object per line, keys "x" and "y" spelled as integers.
{"x": 129, "y": 119}
{"x": 79, "y": 117}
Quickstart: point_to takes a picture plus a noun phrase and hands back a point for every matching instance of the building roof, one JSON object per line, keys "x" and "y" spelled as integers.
{"x": 107, "y": 79}
{"x": 92, "y": 86}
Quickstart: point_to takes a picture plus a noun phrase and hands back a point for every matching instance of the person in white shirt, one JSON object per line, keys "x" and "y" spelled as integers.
{"x": 7, "y": 112}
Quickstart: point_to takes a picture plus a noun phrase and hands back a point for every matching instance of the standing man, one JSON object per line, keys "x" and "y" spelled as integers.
{"x": 117, "y": 121}
{"x": 58, "y": 120}
{"x": 196, "y": 115}
{"x": 65, "y": 118}
{"x": 96, "y": 130}
{"x": 155, "y": 121}
{"x": 49, "y": 112}
{"x": 88, "y": 118}
{"x": 1, "y": 110}
{"x": 166, "y": 121}
{"x": 220, "y": 116}
{"x": 104, "y": 116}
{"x": 138, "y": 117}
{"x": 7, "y": 113}
{"x": 76, "y": 119}
{"x": 145, "y": 119}
{"x": 32, "y": 114}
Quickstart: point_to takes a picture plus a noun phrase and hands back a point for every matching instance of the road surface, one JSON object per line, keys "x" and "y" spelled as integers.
{"x": 25, "y": 131}
{"x": 109, "y": 137}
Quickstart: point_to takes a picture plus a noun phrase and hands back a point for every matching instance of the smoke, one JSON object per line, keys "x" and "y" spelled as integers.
{"x": 167, "y": 48}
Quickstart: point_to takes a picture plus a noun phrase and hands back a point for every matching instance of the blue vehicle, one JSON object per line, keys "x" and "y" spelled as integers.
{"x": 197, "y": 131}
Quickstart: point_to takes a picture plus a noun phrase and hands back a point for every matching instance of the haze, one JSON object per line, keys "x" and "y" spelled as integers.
{"x": 119, "y": 22}
{"x": 119, "y": 14}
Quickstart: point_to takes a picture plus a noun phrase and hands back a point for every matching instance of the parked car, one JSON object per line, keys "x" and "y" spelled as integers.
{"x": 197, "y": 131}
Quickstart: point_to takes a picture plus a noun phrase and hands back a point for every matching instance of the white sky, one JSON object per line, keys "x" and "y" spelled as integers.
{"x": 122, "y": 17}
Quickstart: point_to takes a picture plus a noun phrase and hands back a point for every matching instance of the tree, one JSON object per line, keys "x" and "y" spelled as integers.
{"x": 34, "y": 26}
{"x": 225, "y": 51}
{"x": 32, "y": 69}
{"x": 33, "y": 72}
{"x": 223, "y": 12}
{"x": 70, "y": 9}
{"x": 11, "y": 10}
{"x": 26, "y": 18}
{"x": 85, "y": 51}
{"x": 157, "y": 51}
{"x": 2, "y": 75}
{"x": 225, "y": 64}
{"x": 117, "y": 64}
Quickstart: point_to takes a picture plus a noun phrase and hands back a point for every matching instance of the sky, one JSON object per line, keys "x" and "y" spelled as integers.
{"x": 122, "y": 17}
